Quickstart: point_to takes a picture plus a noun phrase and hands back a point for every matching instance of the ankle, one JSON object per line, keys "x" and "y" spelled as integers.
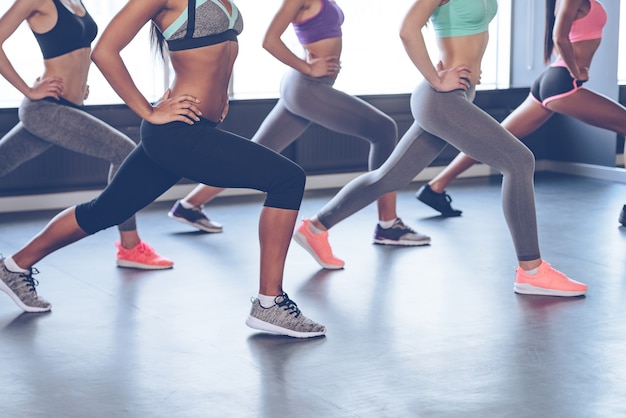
{"x": 13, "y": 267}
{"x": 436, "y": 187}
{"x": 316, "y": 227}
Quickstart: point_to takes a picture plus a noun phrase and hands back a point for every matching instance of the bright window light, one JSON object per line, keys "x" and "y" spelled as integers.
{"x": 373, "y": 58}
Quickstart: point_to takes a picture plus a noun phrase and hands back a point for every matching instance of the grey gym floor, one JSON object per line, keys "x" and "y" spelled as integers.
{"x": 431, "y": 331}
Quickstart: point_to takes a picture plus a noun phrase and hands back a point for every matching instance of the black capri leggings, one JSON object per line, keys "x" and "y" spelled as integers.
{"x": 201, "y": 153}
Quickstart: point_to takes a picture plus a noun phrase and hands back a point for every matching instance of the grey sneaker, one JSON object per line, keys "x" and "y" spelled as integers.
{"x": 21, "y": 288}
{"x": 399, "y": 234}
{"x": 283, "y": 318}
{"x": 194, "y": 217}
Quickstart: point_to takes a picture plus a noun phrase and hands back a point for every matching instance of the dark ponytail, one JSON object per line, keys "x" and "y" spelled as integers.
{"x": 157, "y": 40}
{"x": 548, "y": 45}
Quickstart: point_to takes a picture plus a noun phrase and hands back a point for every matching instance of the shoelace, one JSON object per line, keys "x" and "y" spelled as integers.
{"x": 447, "y": 196}
{"x": 287, "y": 304}
{"x": 144, "y": 248}
{"x": 29, "y": 280}
{"x": 401, "y": 226}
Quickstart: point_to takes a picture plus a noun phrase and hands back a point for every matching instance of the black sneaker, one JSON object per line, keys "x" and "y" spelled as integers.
{"x": 399, "y": 234}
{"x": 194, "y": 217}
{"x": 622, "y": 216}
{"x": 438, "y": 201}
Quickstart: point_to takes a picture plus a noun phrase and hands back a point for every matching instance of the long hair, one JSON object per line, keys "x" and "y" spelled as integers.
{"x": 548, "y": 43}
{"x": 157, "y": 41}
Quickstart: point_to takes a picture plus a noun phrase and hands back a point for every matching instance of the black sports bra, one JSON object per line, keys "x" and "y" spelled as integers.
{"x": 70, "y": 33}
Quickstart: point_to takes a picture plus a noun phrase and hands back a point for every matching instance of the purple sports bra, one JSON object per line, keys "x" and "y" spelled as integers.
{"x": 324, "y": 25}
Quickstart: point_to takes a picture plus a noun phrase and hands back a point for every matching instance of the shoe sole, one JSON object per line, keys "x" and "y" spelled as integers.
{"x": 140, "y": 266}
{"x": 527, "y": 289}
{"x": 301, "y": 239}
{"x": 256, "y": 323}
{"x": 6, "y": 289}
{"x": 401, "y": 243}
{"x": 197, "y": 226}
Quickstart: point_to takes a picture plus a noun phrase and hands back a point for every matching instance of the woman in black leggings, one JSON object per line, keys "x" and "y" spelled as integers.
{"x": 179, "y": 139}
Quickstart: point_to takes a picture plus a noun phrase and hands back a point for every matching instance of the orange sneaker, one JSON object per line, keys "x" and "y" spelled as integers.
{"x": 547, "y": 282}
{"x": 142, "y": 256}
{"x": 317, "y": 245}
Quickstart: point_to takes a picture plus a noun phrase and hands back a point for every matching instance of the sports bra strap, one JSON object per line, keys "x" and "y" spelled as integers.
{"x": 191, "y": 18}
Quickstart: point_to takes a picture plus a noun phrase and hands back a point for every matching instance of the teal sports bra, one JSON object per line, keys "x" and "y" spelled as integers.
{"x": 463, "y": 17}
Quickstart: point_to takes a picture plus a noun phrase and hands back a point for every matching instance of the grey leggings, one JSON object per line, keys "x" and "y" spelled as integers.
{"x": 451, "y": 117}
{"x": 44, "y": 123}
{"x": 305, "y": 100}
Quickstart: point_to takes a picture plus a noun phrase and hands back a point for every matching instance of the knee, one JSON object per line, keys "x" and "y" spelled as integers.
{"x": 126, "y": 146}
{"x": 295, "y": 181}
{"x": 386, "y": 132}
{"x": 93, "y": 217}
{"x": 287, "y": 191}
{"x": 523, "y": 162}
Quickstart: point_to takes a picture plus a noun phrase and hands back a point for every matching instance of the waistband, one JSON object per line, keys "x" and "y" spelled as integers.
{"x": 61, "y": 101}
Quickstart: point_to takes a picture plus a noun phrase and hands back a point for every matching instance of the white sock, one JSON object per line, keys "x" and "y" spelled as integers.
{"x": 387, "y": 224}
{"x": 315, "y": 229}
{"x": 266, "y": 301}
{"x": 186, "y": 204}
{"x": 12, "y": 266}
{"x": 533, "y": 271}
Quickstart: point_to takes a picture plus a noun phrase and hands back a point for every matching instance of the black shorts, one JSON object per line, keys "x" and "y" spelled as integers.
{"x": 554, "y": 83}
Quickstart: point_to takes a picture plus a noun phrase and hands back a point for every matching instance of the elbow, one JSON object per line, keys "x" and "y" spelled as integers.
{"x": 267, "y": 44}
{"x": 561, "y": 42}
{"x": 96, "y": 55}
{"x": 406, "y": 34}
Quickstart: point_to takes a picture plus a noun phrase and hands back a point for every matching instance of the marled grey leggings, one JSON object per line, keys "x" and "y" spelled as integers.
{"x": 451, "y": 117}
{"x": 44, "y": 123}
{"x": 305, "y": 100}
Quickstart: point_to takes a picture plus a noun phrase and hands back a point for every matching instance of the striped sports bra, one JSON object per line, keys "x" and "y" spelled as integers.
{"x": 203, "y": 23}
{"x": 463, "y": 17}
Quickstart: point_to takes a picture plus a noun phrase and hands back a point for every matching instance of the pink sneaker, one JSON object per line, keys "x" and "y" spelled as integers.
{"x": 548, "y": 282}
{"x": 142, "y": 256}
{"x": 317, "y": 245}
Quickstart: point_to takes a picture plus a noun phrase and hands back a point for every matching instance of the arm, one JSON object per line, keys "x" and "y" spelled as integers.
{"x": 20, "y": 11}
{"x": 273, "y": 43}
{"x": 565, "y": 16}
{"x": 106, "y": 55}
{"x": 415, "y": 46}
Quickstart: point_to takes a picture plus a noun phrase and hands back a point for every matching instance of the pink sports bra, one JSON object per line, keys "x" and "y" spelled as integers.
{"x": 324, "y": 25}
{"x": 590, "y": 26}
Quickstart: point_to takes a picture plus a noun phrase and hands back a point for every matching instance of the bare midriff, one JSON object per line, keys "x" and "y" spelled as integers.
{"x": 73, "y": 69}
{"x": 464, "y": 50}
{"x": 584, "y": 52}
{"x": 325, "y": 48}
{"x": 204, "y": 73}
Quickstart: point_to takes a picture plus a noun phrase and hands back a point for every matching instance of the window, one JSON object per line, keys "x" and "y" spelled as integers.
{"x": 373, "y": 58}
{"x": 24, "y": 54}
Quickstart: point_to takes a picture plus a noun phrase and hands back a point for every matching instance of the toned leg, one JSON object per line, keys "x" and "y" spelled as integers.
{"x": 72, "y": 128}
{"x": 524, "y": 120}
{"x": 592, "y": 108}
{"x": 61, "y": 231}
{"x": 19, "y": 146}
{"x": 275, "y": 230}
{"x": 320, "y": 103}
